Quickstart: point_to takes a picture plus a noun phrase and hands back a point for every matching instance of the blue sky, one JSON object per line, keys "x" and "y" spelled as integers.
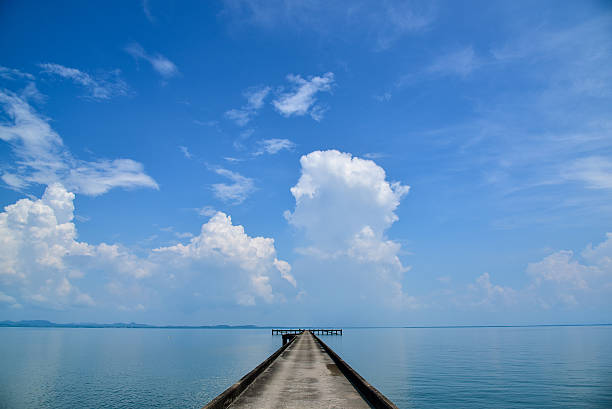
{"x": 300, "y": 163}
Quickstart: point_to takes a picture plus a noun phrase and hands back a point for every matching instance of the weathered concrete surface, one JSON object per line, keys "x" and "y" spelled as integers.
{"x": 303, "y": 376}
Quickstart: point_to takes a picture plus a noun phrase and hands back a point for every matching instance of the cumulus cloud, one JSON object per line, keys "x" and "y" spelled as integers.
{"x": 43, "y": 158}
{"x": 338, "y": 195}
{"x": 490, "y": 294}
{"x": 255, "y": 100}
{"x": 561, "y": 268}
{"x": 235, "y": 192}
{"x": 273, "y": 146}
{"x": 344, "y": 205}
{"x": 103, "y": 86}
{"x": 562, "y": 277}
{"x": 37, "y": 236}
{"x": 161, "y": 64}
{"x": 222, "y": 243}
{"x": 301, "y": 99}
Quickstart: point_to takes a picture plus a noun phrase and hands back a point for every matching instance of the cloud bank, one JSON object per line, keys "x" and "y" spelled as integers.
{"x": 43, "y": 263}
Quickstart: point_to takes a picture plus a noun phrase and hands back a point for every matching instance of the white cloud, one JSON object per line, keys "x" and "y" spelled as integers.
{"x": 594, "y": 171}
{"x": 36, "y": 237}
{"x": 338, "y": 195}
{"x": 222, "y": 243}
{"x": 13, "y": 74}
{"x": 255, "y": 100}
{"x": 186, "y": 152}
{"x": 560, "y": 267}
{"x": 459, "y": 62}
{"x": 207, "y": 211}
{"x": 285, "y": 270}
{"x": 7, "y": 299}
{"x": 384, "y": 97}
{"x": 240, "y": 116}
{"x": 146, "y": 8}
{"x": 103, "y": 86}
{"x": 301, "y": 100}
{"x": 491, "y": 294}
{"x": 42, "y": 262}
{"x": 161, "y": 64}
{"x": 235, "y": 192}
{"x": 43, "y": 158}
{"x": 31, "y": 92}
{"x": 600, "y": 255}
{"x": 562, "y": 277}
{"x": 396, "y": 19}
{"x": 273, "y": 146}
{"x": 116, "y": 258}
{"x": 344, "y": 205}
{"x": 384, "y": 22}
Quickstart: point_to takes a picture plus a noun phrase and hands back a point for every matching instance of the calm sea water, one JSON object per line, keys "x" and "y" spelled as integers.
{"x": 422, "y": 368}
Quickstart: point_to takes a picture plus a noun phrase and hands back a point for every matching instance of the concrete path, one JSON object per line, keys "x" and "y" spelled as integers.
{"x": 303, "y": 376}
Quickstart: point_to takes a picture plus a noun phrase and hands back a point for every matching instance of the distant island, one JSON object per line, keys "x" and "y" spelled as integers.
{"x": 49, "y": 324}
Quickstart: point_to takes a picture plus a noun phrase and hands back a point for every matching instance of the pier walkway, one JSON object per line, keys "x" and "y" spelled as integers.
{"x": 303, "y": 374}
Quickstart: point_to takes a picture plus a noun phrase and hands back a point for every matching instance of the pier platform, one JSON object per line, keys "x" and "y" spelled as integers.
{"x": 305, "y": 373}
{"x": 316, "y": 331}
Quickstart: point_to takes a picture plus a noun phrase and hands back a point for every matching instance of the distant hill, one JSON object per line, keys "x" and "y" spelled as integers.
{"x": 49, "y": 324}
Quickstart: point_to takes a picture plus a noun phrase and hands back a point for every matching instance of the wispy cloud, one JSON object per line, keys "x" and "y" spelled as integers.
{"x": 207, "y": 211}
{"x": 146, "y": 9}
{"x": 383, "y": 22}
{"x": 546, "y": 139}
{"x": 273, "y": 146}
{"x": 255, "y": 100}
{"x": 43, "y": 158}
{"x": 161, "y": 64}
{"x": 458, "y": 62}
{"x": 105, "y": 85}
{"x": 13, "y": 74}
{"x": 374, "y": 155}
{"x": 235, "y": 192}
{"x": 301, "y": 99}
{"x": 185, "y": 152}
{"x": 384, "y": 97}
{"x": 395, "y": 19}
{"x": 594, "y": 171}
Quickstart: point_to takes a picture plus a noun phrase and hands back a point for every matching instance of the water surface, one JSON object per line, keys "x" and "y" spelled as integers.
{"x": 415, "y": 367}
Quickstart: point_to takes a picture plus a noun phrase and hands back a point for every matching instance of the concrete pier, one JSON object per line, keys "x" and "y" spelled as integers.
{"x": 305, "y": 373}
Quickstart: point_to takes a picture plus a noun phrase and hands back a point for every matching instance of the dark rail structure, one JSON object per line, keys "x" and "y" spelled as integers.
{"x": 319, "y": 331}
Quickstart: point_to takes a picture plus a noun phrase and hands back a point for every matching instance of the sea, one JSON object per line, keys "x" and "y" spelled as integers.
{"x": 475, "y": 367}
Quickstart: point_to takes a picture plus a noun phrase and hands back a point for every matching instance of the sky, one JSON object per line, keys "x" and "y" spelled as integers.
{"x": 304, "y": 162}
